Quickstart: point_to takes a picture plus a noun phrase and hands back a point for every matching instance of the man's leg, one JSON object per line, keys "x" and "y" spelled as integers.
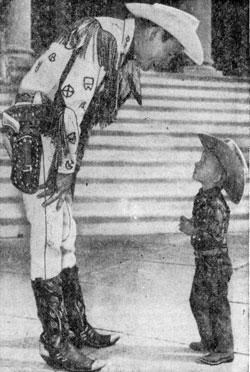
{"x": 46, "y": 265}
{"x": 68, "y": 237}
{"x": 46, "y": 227}
{"x": 84, "y": 333}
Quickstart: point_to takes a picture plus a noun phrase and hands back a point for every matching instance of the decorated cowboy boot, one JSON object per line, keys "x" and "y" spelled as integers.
{"x": 55, "y": 347}
{"x": 84, "y": 333}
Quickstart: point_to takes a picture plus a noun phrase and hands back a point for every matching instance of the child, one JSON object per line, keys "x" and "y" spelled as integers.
{"x": 222, "y": 165}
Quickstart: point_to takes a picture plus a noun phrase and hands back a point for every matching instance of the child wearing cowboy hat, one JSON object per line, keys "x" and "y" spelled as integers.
{"x": 222, "y": 166}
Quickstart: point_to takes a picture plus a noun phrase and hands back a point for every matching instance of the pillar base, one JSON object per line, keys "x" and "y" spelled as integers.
{"x": 15, "y": 63}
{"x": 203, "y": 70}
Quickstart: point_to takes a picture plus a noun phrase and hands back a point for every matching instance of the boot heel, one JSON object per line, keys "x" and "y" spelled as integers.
{"x": 45, "y": 355}
{"x": 51, "y": 362}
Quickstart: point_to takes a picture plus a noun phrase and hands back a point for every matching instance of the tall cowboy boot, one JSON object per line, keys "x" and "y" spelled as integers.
{"x": 55, "y": 347}
{"x": 84, "y": 333}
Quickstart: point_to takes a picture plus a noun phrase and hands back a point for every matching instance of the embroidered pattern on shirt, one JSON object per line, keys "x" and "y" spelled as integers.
{"x": 69, "y": 164}
{"x": 82, "y": 105}
{"x": 68, "y": 91}
{"x": 88, "y": 83}
{"x": 38, "y": 66}
{"x": 52, "y": 57}
{"x": 72, "y": 137}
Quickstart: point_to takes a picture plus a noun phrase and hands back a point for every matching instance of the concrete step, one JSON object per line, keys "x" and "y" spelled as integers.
{"x": 183, "y": 80}
{"x": 123, "y": 191}
{"x": 104, "y": 227}
{"x": 126, "y": 157}
{"x": 135, "y": 173}
{"x": 123, "y": 208}
{"x": 198, "y": 105}
{"x": 193, "y": 93}
{"x": 182, "y": 128}
{"x": 186, "y": 116}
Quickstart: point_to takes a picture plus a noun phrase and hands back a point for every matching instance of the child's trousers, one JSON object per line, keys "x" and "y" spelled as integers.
{"x": 209, "y": 302}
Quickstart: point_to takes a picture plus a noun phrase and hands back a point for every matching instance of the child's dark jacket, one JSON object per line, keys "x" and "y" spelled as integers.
{"x": 210, "y": 220}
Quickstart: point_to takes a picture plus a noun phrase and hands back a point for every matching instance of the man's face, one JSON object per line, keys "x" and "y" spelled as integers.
{"x": 153, "y": 53}
{"x": 207, "y": 170}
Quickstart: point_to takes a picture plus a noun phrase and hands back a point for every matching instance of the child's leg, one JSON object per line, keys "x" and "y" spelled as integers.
{"x": 199, "y": 302}
{"x": 219, "y": 271}
{"x": 222, "y": 327}
{"x": 220, "y": 308}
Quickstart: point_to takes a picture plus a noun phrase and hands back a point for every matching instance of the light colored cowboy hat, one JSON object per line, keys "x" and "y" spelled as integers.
{"x": 178, "y": 23}
{"x": 232, "y": 161}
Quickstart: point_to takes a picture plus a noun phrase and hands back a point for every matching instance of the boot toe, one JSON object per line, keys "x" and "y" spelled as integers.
{"x": 114, "y": 339}
{"x": 90, "y": 337}
{"x": 97, "y": 365}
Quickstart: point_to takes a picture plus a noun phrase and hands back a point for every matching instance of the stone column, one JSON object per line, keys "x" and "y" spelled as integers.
{"x": 202, "y": 9}
{"x": 18, "y": 38}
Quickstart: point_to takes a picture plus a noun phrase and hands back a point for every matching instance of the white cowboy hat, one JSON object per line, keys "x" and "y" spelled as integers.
{"x": 178, "y": 23}
{"x": 232, "y": 161}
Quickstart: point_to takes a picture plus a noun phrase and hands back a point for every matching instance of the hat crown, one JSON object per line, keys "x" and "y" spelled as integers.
{"x": 177, "y": 13}
{"x": 234, "y": 147}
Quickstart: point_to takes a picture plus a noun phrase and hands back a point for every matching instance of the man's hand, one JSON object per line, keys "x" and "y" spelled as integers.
{"x": 63, "y": 186}
{"x": 186, "y": 225}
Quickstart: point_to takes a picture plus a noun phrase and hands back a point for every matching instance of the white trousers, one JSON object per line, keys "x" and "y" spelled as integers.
{"x": 53, "y": 233}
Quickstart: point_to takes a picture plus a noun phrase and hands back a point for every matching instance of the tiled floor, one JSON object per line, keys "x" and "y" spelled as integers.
{"x": 135, "y": 286}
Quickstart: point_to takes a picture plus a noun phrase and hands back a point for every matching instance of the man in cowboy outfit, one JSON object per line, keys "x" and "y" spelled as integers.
{"x": 80, "y": 81}
{"x": 222, "y": 166}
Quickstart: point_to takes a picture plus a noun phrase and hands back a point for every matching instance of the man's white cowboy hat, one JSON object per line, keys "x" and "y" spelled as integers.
{"x": 178, "y": 23}
{"x": 232, "y": 161}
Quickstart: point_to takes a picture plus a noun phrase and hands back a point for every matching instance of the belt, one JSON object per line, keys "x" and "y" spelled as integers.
{"x": 210, "y": 252}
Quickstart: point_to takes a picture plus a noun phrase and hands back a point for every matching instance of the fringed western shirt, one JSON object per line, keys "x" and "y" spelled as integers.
{"x": 87, "y": 75}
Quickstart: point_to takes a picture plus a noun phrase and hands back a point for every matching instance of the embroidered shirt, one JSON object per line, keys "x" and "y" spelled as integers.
{"x": 210, "y": 220}
{"x": 84, "y": 65}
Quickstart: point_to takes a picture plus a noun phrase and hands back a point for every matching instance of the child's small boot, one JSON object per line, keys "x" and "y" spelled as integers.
{"x": 215, "y": 358}
{"x": 84, "y": 333}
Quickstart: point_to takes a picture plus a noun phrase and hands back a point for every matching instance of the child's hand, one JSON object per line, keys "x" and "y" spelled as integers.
{"x": 186, "y": 225}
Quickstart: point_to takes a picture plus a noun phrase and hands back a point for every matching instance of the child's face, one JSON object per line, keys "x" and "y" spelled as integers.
{"x": 207, "y": 170}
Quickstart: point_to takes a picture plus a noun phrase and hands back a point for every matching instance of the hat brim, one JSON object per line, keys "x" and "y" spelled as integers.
{"x": 182, "y": 31}
{"x": 231, "y": 162}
